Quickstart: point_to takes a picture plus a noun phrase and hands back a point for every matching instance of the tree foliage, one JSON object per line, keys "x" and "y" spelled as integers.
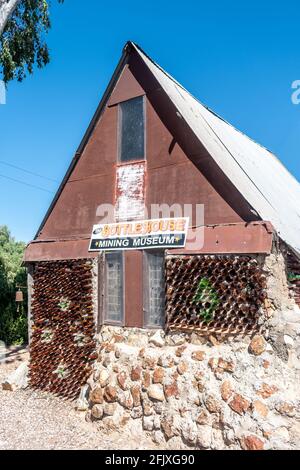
{"x": 22, "y": 44}
{"x": 13, "y": 323}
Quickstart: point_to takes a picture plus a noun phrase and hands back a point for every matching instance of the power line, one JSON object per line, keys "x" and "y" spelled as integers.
{"x": 27, "y": 171}
{"x": 26, "y": 184}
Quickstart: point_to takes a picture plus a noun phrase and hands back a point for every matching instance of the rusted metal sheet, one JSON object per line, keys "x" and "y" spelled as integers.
{"x": 255, "y": 237}
{"x": 130, "y": 191}
{"x": 58, "y": 250}
{"x": 127, "y": 87}
{"x": 133, "y": 288}
{"x": 173, "y": 179}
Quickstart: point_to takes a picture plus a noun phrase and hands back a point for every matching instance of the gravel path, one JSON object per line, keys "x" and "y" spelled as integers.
{"x": 38, "y": 420}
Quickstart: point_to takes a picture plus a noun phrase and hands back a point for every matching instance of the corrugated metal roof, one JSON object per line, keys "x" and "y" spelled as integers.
{"x": 262, "y": 179}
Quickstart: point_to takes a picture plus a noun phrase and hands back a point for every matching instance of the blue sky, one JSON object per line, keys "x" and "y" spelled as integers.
{"x": 239, "y": 58}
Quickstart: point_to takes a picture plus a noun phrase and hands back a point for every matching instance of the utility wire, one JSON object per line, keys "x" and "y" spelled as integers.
{"x": 26, "y": 184}
{"x": 27, "y": 171}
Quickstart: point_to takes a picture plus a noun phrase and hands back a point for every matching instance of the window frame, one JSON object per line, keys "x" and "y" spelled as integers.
{"x": 104, "y": 319}
{"x": 146, "y": 291}
{"x": 119, "y": 133}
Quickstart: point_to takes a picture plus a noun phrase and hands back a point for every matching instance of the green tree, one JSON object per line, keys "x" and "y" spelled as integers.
{"x": 23, "y": 27}
{"x": 13, "y": 321}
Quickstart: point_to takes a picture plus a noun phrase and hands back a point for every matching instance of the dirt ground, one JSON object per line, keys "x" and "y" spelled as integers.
{"x": 38, "y": 420}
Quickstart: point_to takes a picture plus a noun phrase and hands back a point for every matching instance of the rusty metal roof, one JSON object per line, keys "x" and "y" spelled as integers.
{"x": 262, "y": 179}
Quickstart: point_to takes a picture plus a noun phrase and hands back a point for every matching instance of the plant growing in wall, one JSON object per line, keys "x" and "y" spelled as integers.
{"x": 61, "y": 371}
{"x": 47, "y": 336}
{"x": 208, "y": 298}
{"x": 64, "y": 304}
{"x": 79, "y": 339}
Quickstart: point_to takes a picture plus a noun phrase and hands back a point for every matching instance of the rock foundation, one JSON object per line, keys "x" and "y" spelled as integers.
{"x": 189, "y": 392}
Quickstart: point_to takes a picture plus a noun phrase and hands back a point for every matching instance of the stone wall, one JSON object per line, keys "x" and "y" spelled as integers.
{"x": 186, "y": 390}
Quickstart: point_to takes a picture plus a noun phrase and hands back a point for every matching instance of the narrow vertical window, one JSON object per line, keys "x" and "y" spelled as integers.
{"x": 154, "y": 289}
{"x": 132, "y": 140}
{"x": 113, "y": 312}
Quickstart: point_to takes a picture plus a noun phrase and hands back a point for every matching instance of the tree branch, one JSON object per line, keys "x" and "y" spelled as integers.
{"x": 7, "y": 7}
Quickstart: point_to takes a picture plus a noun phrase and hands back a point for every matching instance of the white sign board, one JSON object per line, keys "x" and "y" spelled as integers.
{"x": 140, "y": 235}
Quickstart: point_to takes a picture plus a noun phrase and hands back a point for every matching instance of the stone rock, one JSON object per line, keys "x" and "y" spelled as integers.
{"x": 147, "y": 408}
{"x": 170, "y": 426}
{"x": 229, "y": 436}
{"x": 149, "y": 362}
{"x": 146, "y": 380}
{"x": 213, "y": 340}
{"x": 203, "y": 418}
{"x": 281, "y": 434}
{"x": 118, "y": 338}
{"x": 156, "y": 392}
{"x": 199, "y": 381}
{"x": 260, "y": 408}
{"x": 198, "y": 355}
{"x": 226, "y": 390}
{"x": 97, "y": 411}
{"x": 136, "y": 395}
{"x": 148, "y": 423}
{"x": 182, "y": 367}
{"x": 251, "y": 442}
{"x": 288, "y": 341}
{"x": 257, "y": 345}
{"x": 223, "y": 364}
{"x": 18, "y": 379}
{"x": 158, "y": 437}
{"x": 106, "y": 362}
{"x": 285, "y": 408}
{"x": 189, "y": 432}
{"x": 110, "y": 394}
{"x": 197, "y": 339}
{"x": 96, "y": 395}
{"x": 220, "y": 365}
{"x": 158, "y": 407}
{"x": 180, "y": 350}
{"x": 204, "y": 436}
{"x": 239, "y": 404}
{"x": 82, "y": 402}
{"x": 109, "y": 409}
{"x": 141, "y": 352}
{"x": 217, "y": 442}
{"x": 136, "y": 373}
{"x": 171, "y": 390}
{"x": 166, "y": 361}
{"x": 103, "y": 377}
{"x": 266, "y": 390}
{"x": 137, "y": 412}
{"x": 125, "y": 352}
{"x": 212, "y": 403}
{"x": 157, "y": 339}
{"x": 122, "y": 380}
{"x": 177, "y": 339}
{"x": 125, "y": 399}
{"x": 158, "y": 375}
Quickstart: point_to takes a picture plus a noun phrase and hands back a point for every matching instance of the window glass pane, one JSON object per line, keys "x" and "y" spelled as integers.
{"x": 114, "y": 287}
{"x": 155, "y": 298}
{"x": 132, "y": 129}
